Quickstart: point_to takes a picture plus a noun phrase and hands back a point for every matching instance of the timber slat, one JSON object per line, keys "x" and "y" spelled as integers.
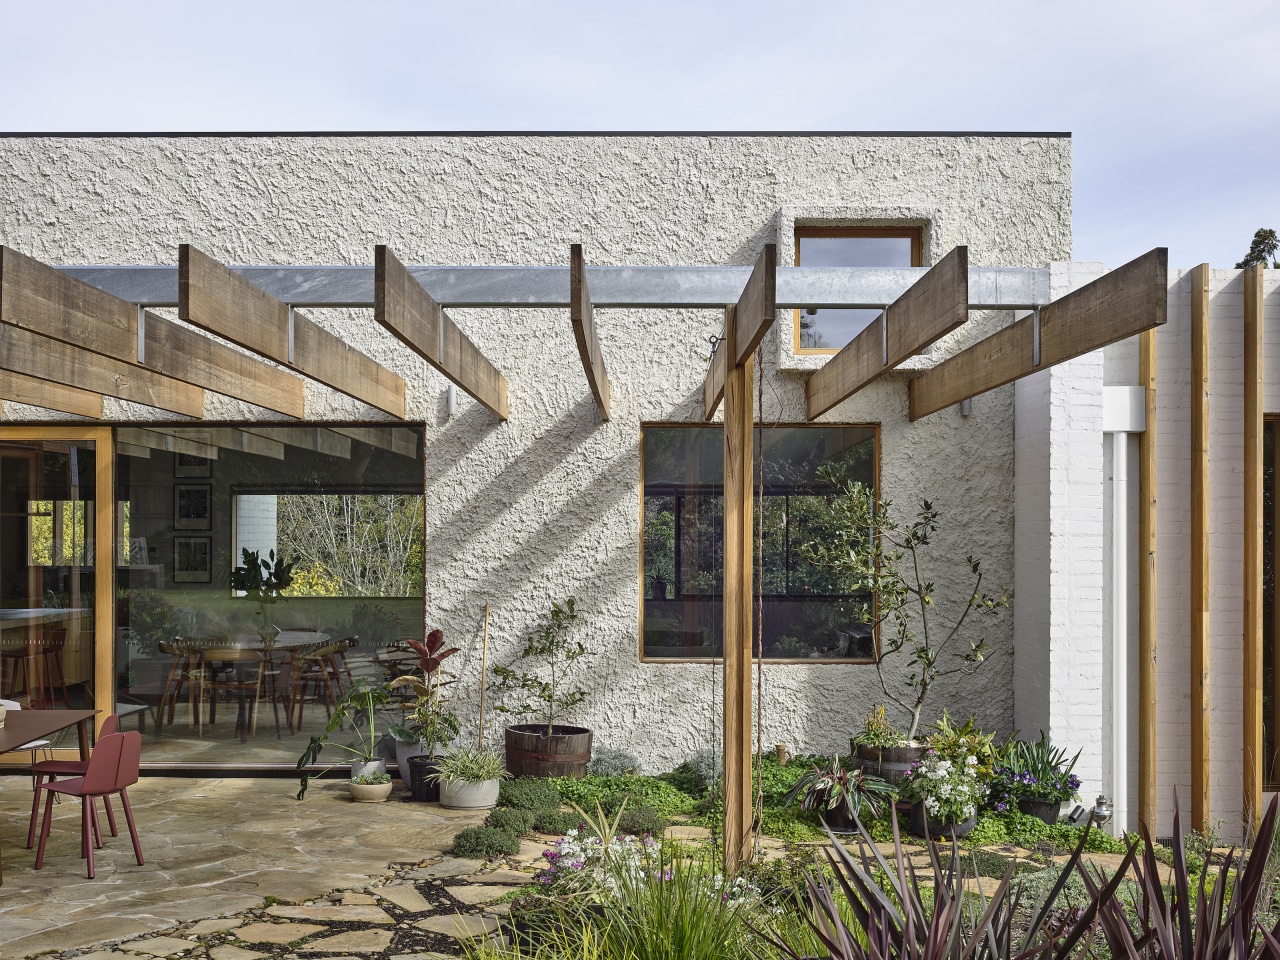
{"x": 22, "y": 351}
{"x": 931, "y": 308}
{"x": 713, "y": 386}
{"x": 224, "y": 303}
{"x": 755, "y": 311}
{"x": 1253, "y": 535}
{"x": 1199, "y": 592}
{"x": 409, "y": 312}
{"x": 1147, "y": 608}
{"x": 1119, "y": 304}
{"x": 21, "y": 388}
{"x": 48, "y": 302}
{"x": 582, "y": 315}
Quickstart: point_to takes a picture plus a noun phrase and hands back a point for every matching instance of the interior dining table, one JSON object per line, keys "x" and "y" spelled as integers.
{"x": 23, "y": 726}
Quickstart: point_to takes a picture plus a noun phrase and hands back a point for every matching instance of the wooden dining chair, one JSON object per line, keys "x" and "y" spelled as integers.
{"x": 235, "y": 671}
{"x": 52, "y": 769}
{"x": 112, "y": 769}
{"x": 47, "y": 651}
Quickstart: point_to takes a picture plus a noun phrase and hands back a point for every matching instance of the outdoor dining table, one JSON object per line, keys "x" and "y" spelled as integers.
{"x": 23, "y": 726}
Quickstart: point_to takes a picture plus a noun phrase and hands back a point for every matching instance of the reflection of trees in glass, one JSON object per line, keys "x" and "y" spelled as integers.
{"x": 56, "y": 533}
{"x": 356, "y": 545}
{"x": 659, "y": 543}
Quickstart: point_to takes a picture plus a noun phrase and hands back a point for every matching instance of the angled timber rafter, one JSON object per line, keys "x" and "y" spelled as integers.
{"x": 52, "y": 396}
{"x": 932, "y": 307}
{"x": 46, "y": 301}
{"x": 1124, "y": 302}
{"x": 404, "y": 307}
{"x": 222, "y": 302}
{"x": 752, "y": 316}
{"x": 584, "y": 330}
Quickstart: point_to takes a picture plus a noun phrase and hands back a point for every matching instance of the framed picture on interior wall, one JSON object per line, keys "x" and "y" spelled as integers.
{"x": 192, "y": 506}
{"x": 189, "y": 465}
{"x": 192, "y": 559}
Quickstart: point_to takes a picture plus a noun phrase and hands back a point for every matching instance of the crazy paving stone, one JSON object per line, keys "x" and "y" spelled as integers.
{"x": 352, "y": 941}
{"x": 405, "y": 896}
{"x": 276, "y": 932}
{"x": 448, "y": 867}
{"x": 686, "y": 832}
{"x": 325, "y": 912}
{"x": 229, "y": 951}
{"x": 513, "y": 878}
{"x": 160, "y": 946}
{"x": 357, "y": 898}
{"x": 214, "y": 926}
{"x": 530, "y": 852}
{"x": 477, "y": 893}
{"x": 461, "y": 926}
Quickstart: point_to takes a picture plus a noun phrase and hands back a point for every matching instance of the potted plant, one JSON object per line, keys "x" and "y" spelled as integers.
{"x": 359, "y": 704}
{"x": 371, "y": 787}
{"x": 840, "y": 795}
{"x": 535, "y": 687}
{"x": 884, "y": 561}
{"x": 883, "y": 748}
{"x": 469, "y": 779}
{"x": 1037, "y": 776}
{"x": 429, "y": 723}
{"x": 945, "y": 792}
{"x": 263, "y": 581}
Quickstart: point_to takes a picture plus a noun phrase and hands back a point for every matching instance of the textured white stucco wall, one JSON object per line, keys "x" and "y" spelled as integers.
{"x": 547, "y": 505}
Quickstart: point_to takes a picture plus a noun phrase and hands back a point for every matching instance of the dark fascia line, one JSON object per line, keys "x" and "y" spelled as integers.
{"x": 793, "y": 134}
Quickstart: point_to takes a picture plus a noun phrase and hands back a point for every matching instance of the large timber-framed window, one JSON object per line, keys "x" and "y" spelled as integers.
{"x": 807, "y": 613}
{"x": 828, "y": 330}
{"x": 222, "y": 675}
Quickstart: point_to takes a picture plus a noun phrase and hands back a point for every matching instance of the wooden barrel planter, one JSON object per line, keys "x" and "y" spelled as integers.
{"x": 888, "y": 763}
{"x": 531, "y": 753}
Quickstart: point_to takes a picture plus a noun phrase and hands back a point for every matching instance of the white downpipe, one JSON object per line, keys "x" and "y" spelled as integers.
{"x": 1119, "y": 632}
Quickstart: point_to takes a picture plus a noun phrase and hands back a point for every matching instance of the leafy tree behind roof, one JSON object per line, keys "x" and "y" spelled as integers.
{"x": 1262, "y": 249}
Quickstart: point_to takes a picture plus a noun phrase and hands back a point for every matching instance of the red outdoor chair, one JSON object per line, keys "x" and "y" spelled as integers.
{"x": 113, "y": 768}
{"x": 67, "y": 768}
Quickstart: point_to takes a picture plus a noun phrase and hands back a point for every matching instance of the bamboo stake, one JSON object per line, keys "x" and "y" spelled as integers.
{"x": 484, "y": 672}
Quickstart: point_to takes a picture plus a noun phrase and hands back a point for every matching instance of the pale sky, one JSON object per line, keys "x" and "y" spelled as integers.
{"x": 1174, "y": 106}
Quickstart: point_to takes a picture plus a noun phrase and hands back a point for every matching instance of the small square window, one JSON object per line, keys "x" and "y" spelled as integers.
{"x": 828, "y": 330}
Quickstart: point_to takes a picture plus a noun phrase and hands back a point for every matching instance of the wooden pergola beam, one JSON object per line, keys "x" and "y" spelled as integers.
{"x": 753, "y": 314}
{"x": 1147, "y": 606}
{"x": 934, "y": 305}
{"x": 317, "y": 439}
{"x": 24, "y": 352}
{"x": 582, "y": 316}
{"x": 224, "y": 303}
{"x": 1253, "y": 531}
{"x": 1124, "y": 302}
{"x": 1198, "y": 634}
{"x": 399, "y": 440}
{"x": 53, "y": 396}
{"x": 404, "y": 307}
{"x": 162, "y": 440}
{"x": 48, "y": 302}
{"x": 231, "y": 438}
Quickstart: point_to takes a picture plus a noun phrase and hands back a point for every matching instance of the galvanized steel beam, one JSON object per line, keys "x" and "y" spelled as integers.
{"x": 990, "y": 288}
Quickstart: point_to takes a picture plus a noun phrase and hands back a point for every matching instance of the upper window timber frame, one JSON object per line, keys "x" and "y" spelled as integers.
{"x": 914, "y": 233}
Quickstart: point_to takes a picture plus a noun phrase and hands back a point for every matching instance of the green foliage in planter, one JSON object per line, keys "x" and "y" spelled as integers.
{"x": 470, "y": 765}
{"x": 609, "y": 792}
{"x": 485, "y": 843}
{"x": 509, "y": 820}
{"x": 534, "y": 686}
{"x": 530, "y": 793}
{"x": 371, "y": 779}
{"x": 556, "y": 822}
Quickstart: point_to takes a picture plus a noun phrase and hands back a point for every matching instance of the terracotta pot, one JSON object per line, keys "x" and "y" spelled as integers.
{"x": 464, "y": 795}
{"x": 370, "y": 792}
{"x": 1046, "y": 810}
{"x": 938, "y": 828}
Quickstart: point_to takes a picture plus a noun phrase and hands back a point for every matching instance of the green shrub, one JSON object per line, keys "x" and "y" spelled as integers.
{"x": 641, "y": 819}
{"x": 485, "y": 843}
{"x": 791, "y": 824}
{"x": 611, "y": 762}
{"x": 529, "y": 793}
{"x": 510, "y": 820}
{"x": 609, "y": 792}
{"x": 556, "y": 822}
{"x": 987, "y": 832}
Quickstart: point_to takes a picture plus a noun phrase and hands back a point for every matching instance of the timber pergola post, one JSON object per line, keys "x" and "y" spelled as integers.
{"x": 403, "y": 306}
{"x": 732, "y": 376}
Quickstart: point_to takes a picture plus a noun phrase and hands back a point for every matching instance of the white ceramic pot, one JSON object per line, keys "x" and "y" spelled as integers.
{"x": 370, "y": 792}
{"x": 403, "y": 752}
{"x": 361, "y": 767}
{"x": 464, "y": 795}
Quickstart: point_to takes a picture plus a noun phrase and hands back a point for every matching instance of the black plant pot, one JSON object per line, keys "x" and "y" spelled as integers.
{"x": 424, "y": 790}
{"x": 838, "y": 819}
{"x": 1046, "y": 810}
{"x": 938, "y": 828}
